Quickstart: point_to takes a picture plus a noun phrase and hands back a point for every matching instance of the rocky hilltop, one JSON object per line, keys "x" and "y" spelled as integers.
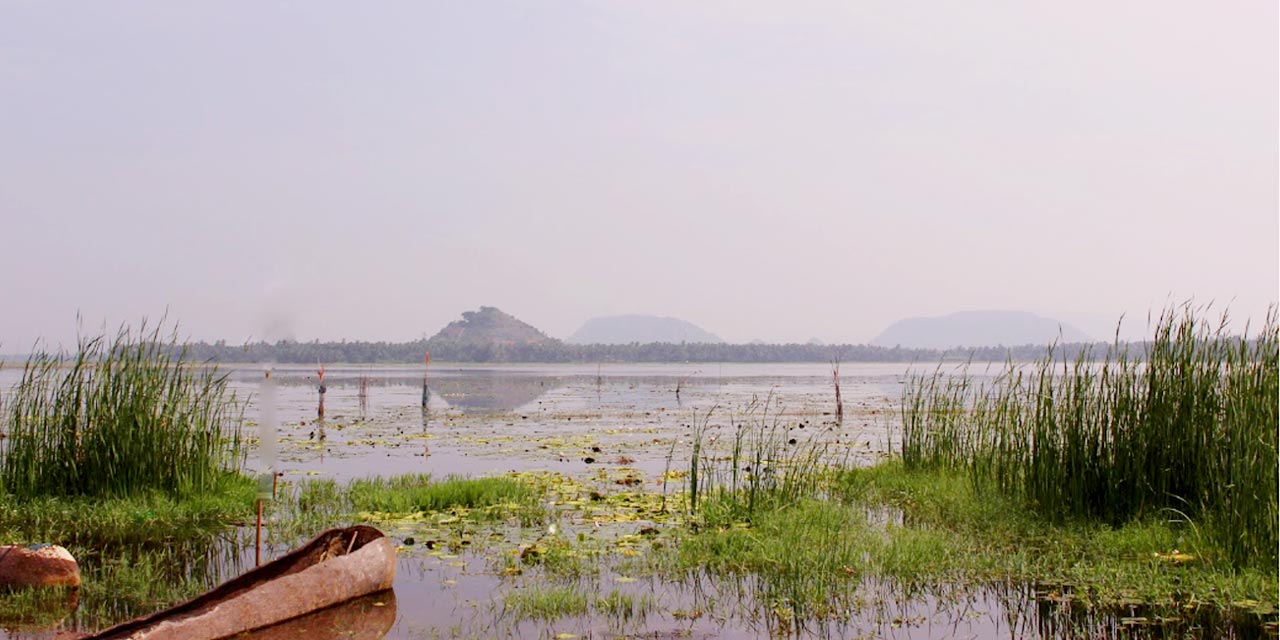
{"x": 642, "y": 329}
{"x": 489, "y": 326}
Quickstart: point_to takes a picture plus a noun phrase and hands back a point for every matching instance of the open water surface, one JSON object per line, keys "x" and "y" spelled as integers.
{"x": 599, "y": 425}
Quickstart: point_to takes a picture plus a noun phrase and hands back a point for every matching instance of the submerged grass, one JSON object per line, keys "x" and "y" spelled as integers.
{"x": 148, "y": 519}
{"x": 416, "y": 492}
{"x": 809, "y": 533}
{"x": 987, "y": 536}
{"x": 818, "y": 559}
{"x": 146, "y": 555}
{"x": 551, "y": 603}
{"x": 1186, "y": 429}
{"x": 555, "y": 602}
{"x": 308, "y": 507}
{"x": 118, "y": 417}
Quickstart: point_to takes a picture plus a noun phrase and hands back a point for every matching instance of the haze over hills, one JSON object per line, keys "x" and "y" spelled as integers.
{"x": 643, "y": 329}
{"x": 977, "y": 329}
{"x": 489, "y": 335}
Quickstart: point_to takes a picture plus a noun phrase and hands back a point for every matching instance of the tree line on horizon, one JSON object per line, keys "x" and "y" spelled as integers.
{"x": 554, "y": 351}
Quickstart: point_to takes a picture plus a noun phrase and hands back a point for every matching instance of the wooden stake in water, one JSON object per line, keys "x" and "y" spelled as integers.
{"x": 426, "y": 394}
{"x": 835, "y": 376}
{"x": 364, "y": 396}
{"x": 320, "y": 410}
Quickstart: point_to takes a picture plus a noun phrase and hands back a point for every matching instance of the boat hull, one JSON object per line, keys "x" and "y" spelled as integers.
{"x": 337, "y": 566}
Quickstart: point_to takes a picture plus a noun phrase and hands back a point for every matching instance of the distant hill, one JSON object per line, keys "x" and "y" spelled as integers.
{"x": 489, "y": 326}
{"x": 977, "y": 329}
{"x": 642, "y": 329}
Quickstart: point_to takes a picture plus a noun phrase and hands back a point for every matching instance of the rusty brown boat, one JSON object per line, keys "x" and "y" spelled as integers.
{"x": 337, "y": 566}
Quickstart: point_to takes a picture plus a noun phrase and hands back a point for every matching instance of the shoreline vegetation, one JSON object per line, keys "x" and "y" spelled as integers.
{"x": 358, "y": 352}
{"x": 127, "y": 452}
{"x": 1137, "y": 492}
{"x": 1141, "y": 486}
{"x": 1188, "y": 433}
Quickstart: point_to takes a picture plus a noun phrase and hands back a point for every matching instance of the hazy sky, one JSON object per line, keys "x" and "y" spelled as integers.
{"x": 774, "y": 170}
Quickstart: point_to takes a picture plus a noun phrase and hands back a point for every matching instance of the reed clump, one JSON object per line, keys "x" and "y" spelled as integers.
{"x": 417, "y": 492}
{"x": 1182, "y": 427}
{"x": 762, "y": 467}
{"x": 117, "y": 418}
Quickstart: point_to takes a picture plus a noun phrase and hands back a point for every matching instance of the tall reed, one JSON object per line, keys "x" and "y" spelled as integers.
{"x": 1186, "y": 427}
{"x": 118, "y": 417}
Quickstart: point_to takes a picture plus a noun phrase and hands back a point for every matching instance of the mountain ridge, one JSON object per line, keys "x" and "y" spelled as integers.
{"x": 640, "y": 328}
{"x": 980, "y": 328}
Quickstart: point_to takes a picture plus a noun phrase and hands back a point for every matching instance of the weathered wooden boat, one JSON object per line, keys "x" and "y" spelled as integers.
{"x": 337, "y": 566}
{"x": 37, "y": 565}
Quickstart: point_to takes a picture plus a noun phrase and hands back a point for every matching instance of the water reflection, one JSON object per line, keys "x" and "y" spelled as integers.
{"x": 365, "y": 618}
{"x": 483, "y": 392}
{"x": 28, "y": 613}
{"x": 757, "y": 605}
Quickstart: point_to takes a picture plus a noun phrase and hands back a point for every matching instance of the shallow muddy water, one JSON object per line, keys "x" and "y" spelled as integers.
{"x": 493, "y": 420}
{"x": 616, "y": 431}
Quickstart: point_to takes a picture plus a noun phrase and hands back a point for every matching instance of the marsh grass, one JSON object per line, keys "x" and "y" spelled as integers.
{"x": 554, "y": 602}
{"x": 36, "y": 610}
{"x": 809, "y": 535}
{"x": 624, "y": 606}
{"x": 977, "y": 534}
{"x": 150, "y": 519}
{"x": 124, "y": 581}
{"x": 119, "y": 586}
{"x": 760, "y": 510}
{"x": 821, "y": 558}
{"x": 765, "y": 468}
{"x": 416, "y": 492}
{"x": 549, "y": 603}
{"x": 1185, "y": 430}
{"x": 307, "y": 507}
{"x": 118, "y": 417}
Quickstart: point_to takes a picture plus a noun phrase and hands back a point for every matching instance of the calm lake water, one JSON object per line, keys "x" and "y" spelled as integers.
{"x": 594, "y": 425}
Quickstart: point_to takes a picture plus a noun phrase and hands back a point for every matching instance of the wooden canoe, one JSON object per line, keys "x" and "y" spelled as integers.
{"x": 337, "y": 566}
